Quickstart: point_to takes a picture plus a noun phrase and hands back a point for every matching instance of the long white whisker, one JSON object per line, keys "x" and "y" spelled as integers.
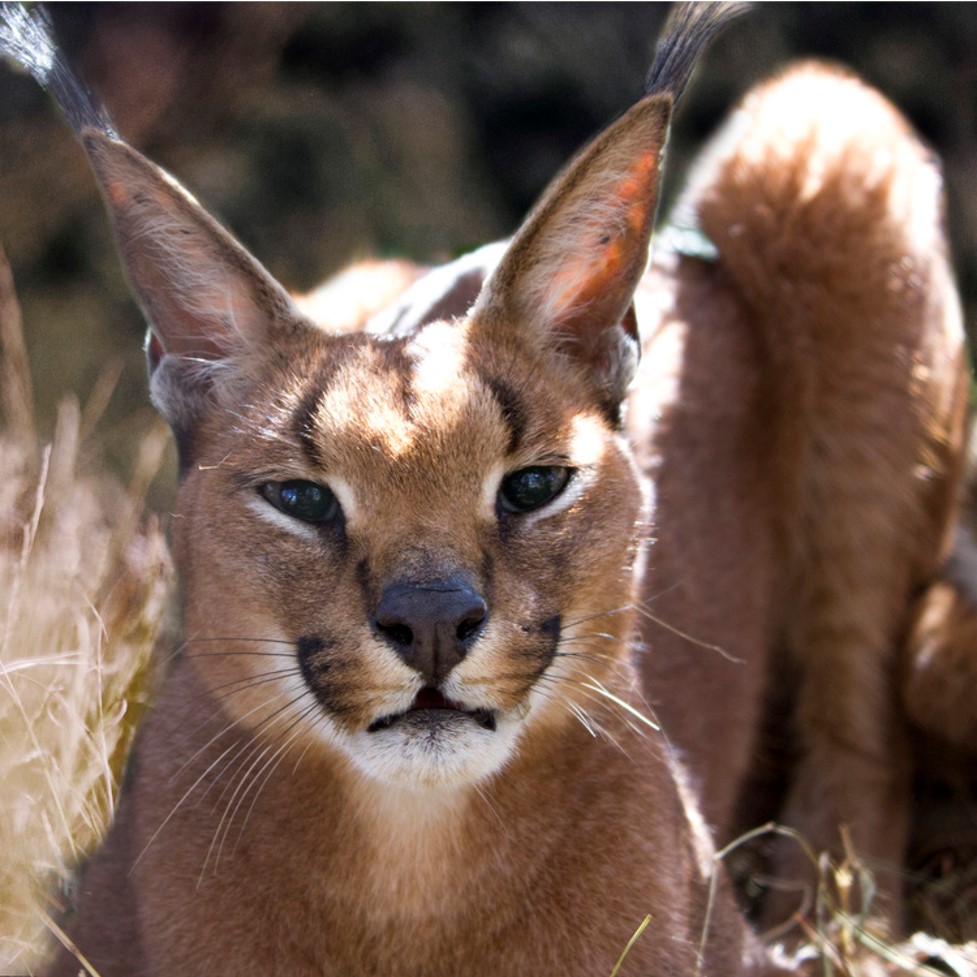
{"x": 643, "y": 610}
{"x": 232, "y": 725}
{"x": 258, "y": 752}
{"x": 601, "y": 689}
{"x": 280, "y": 754}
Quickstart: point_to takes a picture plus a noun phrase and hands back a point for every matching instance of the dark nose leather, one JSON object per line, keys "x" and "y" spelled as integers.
{"x": 431, "y": 625}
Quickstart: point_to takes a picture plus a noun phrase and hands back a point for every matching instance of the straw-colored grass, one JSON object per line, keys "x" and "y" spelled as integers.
{"x": 84, "y": 584}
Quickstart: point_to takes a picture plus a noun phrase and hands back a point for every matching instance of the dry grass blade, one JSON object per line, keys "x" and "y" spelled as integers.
{"x": 16, "y": 395}
{"x": 84, "y": 579}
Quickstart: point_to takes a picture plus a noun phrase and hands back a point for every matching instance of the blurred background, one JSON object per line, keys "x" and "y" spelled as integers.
{"x": 322, "y": 133}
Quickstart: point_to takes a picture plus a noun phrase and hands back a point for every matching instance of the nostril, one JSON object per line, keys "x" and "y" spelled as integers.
{"x": 399, "y": 633}
{"x": 470, "y": 623}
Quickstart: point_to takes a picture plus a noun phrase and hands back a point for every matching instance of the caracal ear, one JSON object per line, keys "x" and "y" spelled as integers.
{"x": 572, "y": 268}
{"x": 205, "y": 298}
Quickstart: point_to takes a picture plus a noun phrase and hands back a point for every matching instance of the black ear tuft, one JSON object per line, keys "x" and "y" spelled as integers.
{"x": 690, "y": 28}
{"x": 27, "y": 38}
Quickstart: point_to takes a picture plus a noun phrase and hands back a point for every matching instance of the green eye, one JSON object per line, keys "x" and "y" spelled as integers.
{"x": 532, "y": 488}
{"x": 303, "y": 500}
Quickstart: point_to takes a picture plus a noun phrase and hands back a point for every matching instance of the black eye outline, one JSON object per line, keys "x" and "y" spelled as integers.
{"x": 531, "y": 488}
{"x": 306, "y": 501}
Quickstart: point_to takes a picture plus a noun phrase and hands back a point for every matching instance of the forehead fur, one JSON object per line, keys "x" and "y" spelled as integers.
{"x": 384, "y": 409}
{"x": 403, "y": 400}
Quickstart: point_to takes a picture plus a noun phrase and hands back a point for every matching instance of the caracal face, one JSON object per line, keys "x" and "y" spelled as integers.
{"x": 411, "y": 549}
{"x": 354, "y": 483}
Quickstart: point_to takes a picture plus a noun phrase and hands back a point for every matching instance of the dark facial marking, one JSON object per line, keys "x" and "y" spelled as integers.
{"x": 313, "y": 660}
{"x": 183, "y": 435}
{"x": 363, "y": 579}
{"x": 552, "y": 627}
{"x": 514, "y": 413}
{"x": 303, "y": 424}
{"x": 398, "y": 363}
{"x": 313, "y": 653}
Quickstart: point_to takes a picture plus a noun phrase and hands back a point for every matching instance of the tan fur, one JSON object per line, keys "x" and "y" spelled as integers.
{"x": 797, "y": 419}
{"x": 338, "y": 779}
{"x": 799, "y": 414}
{"x": 806, "y": 457}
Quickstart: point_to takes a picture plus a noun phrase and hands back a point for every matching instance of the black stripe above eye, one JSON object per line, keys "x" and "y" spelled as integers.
{"x": 303, "y": 424}
{"x": 514, "y": 413}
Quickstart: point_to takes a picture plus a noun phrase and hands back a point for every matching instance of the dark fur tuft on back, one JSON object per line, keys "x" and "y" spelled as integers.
{"x": 689, "y": 29}
{"x": 27, "y": 39}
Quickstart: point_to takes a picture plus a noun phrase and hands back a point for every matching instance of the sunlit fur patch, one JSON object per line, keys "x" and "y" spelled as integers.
{"x": 346, "y": 495}
{"x": 587, "y": 440}
{"x": 361, "y": 401}
{"x": 438, "y": 353}
{"x": 490, "y": 489}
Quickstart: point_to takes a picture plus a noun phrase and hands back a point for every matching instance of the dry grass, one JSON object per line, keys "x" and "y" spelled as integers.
{"x": 839, "y": 936}
{"x": 84, "y": 583}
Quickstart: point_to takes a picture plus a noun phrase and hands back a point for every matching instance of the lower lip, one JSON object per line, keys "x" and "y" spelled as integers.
{"x": 435, "y": 716}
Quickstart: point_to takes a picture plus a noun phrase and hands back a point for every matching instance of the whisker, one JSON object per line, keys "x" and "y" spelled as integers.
{"x": 581, "y": 714}
{"x": 176, "y": 807}
{"x": 280, "y": 754}
{"x": 591, "y": 697}
{"x": 241, "y": 654}
{"x": 247, "y": 682}
{"x": 237, "y": 639}
{"x": 488, "y": 803}
{"x": 597, "y": 687}
{"x": 645, "y": 612}
{"x": 255, "y": 743}
{"x": 232, "y": 725}
{"x": 244, "y": 684}
{"x": 596, "y": 616}
{"x": 592, "y": 634}
{"x": 245, "y": 787}
{"x": 222, "y": 639}
{"x": 258, "y": 750}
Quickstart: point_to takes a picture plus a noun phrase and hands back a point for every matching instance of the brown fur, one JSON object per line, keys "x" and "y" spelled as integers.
{"x": 800, "y": 414}
{"x": 807, "y": 466}
{"x": 798, "y": 417}
{"x": 330, "y": 783}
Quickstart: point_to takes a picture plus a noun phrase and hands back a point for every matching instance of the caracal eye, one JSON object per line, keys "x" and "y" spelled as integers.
{"x": 531, "y": 488}
{"x": 303, "y": 500}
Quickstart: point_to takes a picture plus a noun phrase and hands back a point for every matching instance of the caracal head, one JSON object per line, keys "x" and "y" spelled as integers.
{"x": 409, "y": 551}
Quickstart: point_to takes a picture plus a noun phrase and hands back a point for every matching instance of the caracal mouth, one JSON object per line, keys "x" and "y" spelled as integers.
{"x": 431, "y": 709}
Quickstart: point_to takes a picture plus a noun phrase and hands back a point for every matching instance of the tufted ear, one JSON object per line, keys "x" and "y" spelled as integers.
{"x": 572, "y": 268}
{"x": 204, "y": 296}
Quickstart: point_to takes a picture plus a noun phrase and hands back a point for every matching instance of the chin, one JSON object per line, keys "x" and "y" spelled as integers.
{"x": 439, "y": 748}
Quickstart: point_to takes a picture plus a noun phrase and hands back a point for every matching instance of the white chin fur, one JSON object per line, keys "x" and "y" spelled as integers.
{"x": 455, "y": 753}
